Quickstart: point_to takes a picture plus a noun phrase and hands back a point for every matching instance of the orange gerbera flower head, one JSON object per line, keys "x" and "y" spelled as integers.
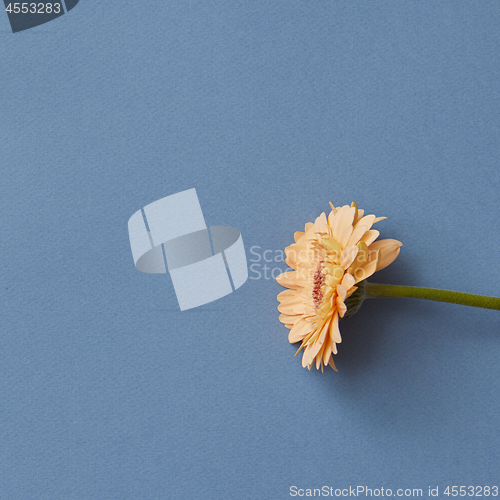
{"x": 329, "y": 258}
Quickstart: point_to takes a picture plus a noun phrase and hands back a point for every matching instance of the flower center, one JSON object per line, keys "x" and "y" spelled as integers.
{"x": 319, "y": 281}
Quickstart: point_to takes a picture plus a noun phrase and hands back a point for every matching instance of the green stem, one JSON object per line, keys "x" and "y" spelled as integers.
{"x": 417, "y": 292}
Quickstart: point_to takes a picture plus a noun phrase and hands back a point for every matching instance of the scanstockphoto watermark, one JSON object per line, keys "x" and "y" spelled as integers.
{"x": 25, "y": 15}
{"x": 267, "y": 264}
{"x": 356, "y": 491}
{"x": 365, "y": 491}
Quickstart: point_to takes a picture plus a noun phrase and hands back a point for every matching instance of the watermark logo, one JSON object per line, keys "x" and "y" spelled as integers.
{"x": 204, "y": 263}
{"x": 26, "y": 15}
{"x": 267, "y": 264}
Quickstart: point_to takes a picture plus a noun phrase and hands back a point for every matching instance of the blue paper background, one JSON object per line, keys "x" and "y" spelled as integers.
{"x": 269, "y": 109}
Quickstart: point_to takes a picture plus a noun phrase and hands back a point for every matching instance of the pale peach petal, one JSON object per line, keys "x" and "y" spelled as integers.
{"x": 293, "y": 308}
{"x": 318, "y": 344}
{"x": 298, "y": 252}
{"x": 341, "y": 296}
{"x": 345, "y": 219}
{"x": 333, "y": 347}
{"x": 320, "y": 225}
{"x": 295, "y": 248}
{"x": 331, "y": 218}
{"x": 334, "y": 331}
{"x": 348, "y": 281}
{"x": 344, "y": 238}
{"x": 290, "y": 280}
{"x": 299, "y": 331}
{"x": 348, "y": 255}
{"x": 285, "y": 309}
{"x": 361, "y": 257}
{"x": 307, "y": 357}
{"x": 367, "y": 270}
{"x": 316, "y": 349}
{"x": 388, "y": 251}
{"x": 372, "y": 255}
{"x": 319, "y": 357}
{"x": 332, "y": 247}
{"x": 286, "y": 294}
{"x": 357, "y": 234}
{"x": 367, "y": 220}
{"x": 291, "y": 300}
{"x": 311, "y": 337}
{"x": 370, "y": 236}
{"x": 341, "y": 292}
{"x": 337, "y": 219}
{"x": 290, "y": 319}
{"x": 359, "y": 216}
{"x": 323, "y": 355}
{"x": 341, "y": 308}
{"x": 324, "y": 331}
{"x": 327, "y": 352}
{"x": 301, "y": 308}
{"x": 297, "y": 236}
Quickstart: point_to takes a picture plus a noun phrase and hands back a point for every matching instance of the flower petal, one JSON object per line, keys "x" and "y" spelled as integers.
{"x": 286, "y": 294}
{"x": 388, "y": 251}
{"x": 289, "y": 319}
{"x": 332, "y": 364}
{"x": 357, "y": 234}
{"x": 307, "y": 357}
{"x": 348, "y": 281}
{"x": 348, "y": 255}
{"x": 366, "y": 270}
{"x": 359, "y": 216}
{"x": 291, "y": 279}
{"x": 297, "y": 236}
{"x": 341, "y": 292}
{"x": 344, "y": 238}
{"x": 367, "y": 220}
{"x": 337, "y": 217}
{"x": 327, "y": 352}
{"x": 343, "y": 220}
{"x": 370, "y": 236}
{"x": 334, "y": 330}
{"x": 320, "y": 225}
{"x": 289, "y": 304}
{"x": 331, "y": 218}
{"x": 299, "y": 331}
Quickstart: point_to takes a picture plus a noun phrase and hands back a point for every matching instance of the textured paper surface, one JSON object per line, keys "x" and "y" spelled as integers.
{"x": 271, "y": 109}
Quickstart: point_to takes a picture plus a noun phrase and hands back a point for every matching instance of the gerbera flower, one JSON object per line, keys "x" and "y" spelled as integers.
{"x": 329, "y": 258}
